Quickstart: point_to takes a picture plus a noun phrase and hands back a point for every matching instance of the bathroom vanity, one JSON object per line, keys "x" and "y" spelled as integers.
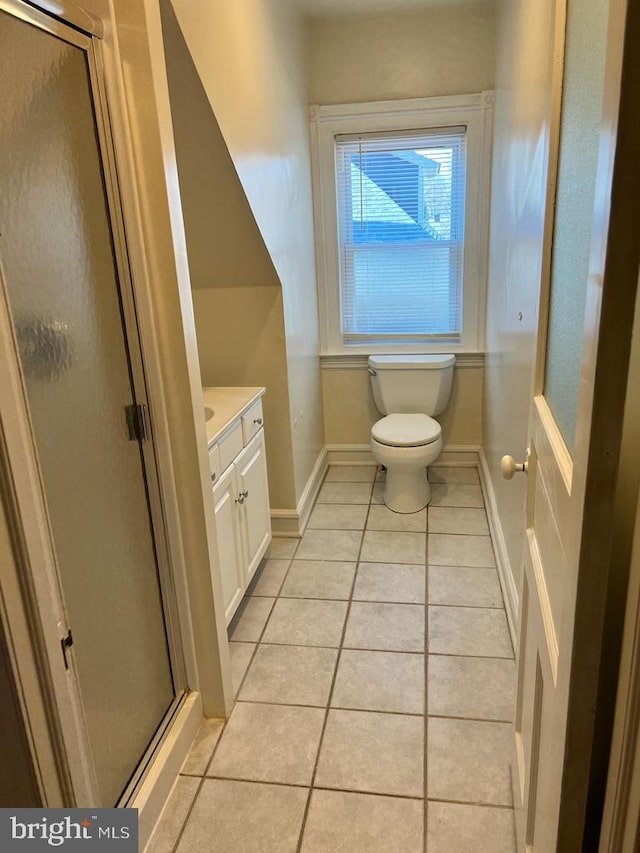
{"x": 238, "y": 466}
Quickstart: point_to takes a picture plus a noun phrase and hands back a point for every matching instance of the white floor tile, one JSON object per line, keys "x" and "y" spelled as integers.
{"x": 469, "y": 761}
{"x": 469, "y": 829}
{"x": 368, "y": 752}
{"x": 341, "y": 822}
{"x": 269, "y": 743}
{"x": 246, "y": 817}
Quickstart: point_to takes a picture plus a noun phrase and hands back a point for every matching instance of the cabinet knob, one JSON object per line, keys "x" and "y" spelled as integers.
{"x": 213, "y": 476}
{"x": 258, "y": 421}
{"x": 240, "y": 499}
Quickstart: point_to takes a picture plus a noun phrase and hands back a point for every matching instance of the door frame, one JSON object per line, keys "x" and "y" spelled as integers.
{"x": 611, "y": 296}
{"x": 31, "y": 603}
{"x": 621, "y": 818}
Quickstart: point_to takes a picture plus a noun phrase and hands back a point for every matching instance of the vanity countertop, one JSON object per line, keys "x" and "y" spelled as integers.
{"x": 227, "y": 403}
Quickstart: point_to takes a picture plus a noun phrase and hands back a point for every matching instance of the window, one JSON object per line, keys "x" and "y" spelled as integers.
{"x": 400, "y": 235}
{"x": 401, "y": 214}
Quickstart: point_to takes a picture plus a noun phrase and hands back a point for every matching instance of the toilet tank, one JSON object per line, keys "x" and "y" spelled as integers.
{"x": 411, "y": 383}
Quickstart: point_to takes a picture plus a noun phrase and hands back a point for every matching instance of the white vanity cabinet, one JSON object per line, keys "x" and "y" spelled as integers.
{"x": 240, "y": 490}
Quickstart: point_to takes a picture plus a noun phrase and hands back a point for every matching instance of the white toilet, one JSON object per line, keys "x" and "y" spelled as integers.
{"x": 408, "y": 389}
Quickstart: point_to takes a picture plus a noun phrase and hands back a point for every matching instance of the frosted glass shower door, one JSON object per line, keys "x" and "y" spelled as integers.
{"x": 66, "y": 303}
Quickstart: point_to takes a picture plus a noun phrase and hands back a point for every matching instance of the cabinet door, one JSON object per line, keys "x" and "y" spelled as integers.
{"x": 255, "y": 513}
{"x": 230, "y": 554}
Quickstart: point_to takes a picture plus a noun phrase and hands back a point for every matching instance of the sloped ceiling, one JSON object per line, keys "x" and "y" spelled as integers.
{"x": 224, "y": 243}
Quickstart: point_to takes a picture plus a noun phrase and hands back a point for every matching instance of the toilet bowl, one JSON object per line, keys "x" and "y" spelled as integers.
{"x": 406, "y": 444}
{"x": 408, "y": 390}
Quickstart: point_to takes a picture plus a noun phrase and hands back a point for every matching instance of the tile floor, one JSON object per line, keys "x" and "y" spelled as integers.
{"x": 334, "y": 743}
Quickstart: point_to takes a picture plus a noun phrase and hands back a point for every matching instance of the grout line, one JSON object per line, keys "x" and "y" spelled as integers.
{"x": 466, "y": 606}
{"x": 456, "y": 506}
{"x": 478, "y": 803}
{"x": 351, "y": 648}
{"x": 469, "y": 719}
{"x": 260, "y": 781}
{"x": 317, "y": 787}
{"x": 330, "y": 708}
{"x": 460, "y": 532}
{"x": 391, "y": 651}
{"x": 461, "y": 565}
{"x": 369, "y": 794}
{"x": 347, "y": 649}
{"x": 473, "y": 657}
{"x": 396, "y": 561}
{"x": 339, "y": 503}
{"x": 361, "y": 600}
{"x": 468, "y": 657}
{"x": 333, "y": 683}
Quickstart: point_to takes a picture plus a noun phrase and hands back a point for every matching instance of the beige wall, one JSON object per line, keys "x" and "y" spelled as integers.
{"x": 250, "y": 57}
{"x": 241, "y": 342}
{"x": 350, "y": 411}
{"x": 521, "y": 145}
{"x": 237, "y": 298}
{"x": 413, "y": 54}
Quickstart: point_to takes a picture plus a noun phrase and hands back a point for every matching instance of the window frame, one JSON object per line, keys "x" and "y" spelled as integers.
{"x": 474, "y": 113}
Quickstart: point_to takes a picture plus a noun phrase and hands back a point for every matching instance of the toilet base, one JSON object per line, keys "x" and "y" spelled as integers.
{"x": 407, "y": 491}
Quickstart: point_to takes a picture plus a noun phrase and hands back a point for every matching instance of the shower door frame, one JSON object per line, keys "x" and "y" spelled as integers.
{"x": 32, "y": 600}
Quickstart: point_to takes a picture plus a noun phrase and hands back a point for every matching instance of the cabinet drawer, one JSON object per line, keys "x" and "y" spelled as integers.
{"x": 252, "y": 420}
{"x": 215, "y": 466}
{"x": 230, "y": 445}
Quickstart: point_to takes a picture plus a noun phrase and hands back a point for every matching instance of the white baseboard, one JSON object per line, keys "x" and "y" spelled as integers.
{"x": 505, "y": 571}
{"x": 292, "y": 522}
{"x": 155, "y": 790}
{"x": 350, "y": 454}
{"x": 459, "y": 455}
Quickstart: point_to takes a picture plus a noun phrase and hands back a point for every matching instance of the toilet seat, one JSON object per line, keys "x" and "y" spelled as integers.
{"x": 406, "y": 430}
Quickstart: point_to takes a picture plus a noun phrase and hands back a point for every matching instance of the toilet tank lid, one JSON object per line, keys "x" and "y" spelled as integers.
{"x": 402, "y": 362}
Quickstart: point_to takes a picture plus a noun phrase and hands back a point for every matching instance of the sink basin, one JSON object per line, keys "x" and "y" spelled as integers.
{"x": 208, "y": 413}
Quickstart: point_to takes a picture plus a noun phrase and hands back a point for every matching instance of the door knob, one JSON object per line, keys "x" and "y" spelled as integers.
{"x": 509, "y": 467}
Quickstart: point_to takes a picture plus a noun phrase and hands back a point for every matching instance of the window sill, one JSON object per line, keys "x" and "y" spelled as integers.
{"x": 351, "y": 361}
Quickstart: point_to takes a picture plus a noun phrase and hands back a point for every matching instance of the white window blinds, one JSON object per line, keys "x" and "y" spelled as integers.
{"x": 401, "y": 200}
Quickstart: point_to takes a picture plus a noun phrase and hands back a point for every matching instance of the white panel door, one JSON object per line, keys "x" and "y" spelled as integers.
{"x": 254, "y": 510}
{"x": 570, "y": 508}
